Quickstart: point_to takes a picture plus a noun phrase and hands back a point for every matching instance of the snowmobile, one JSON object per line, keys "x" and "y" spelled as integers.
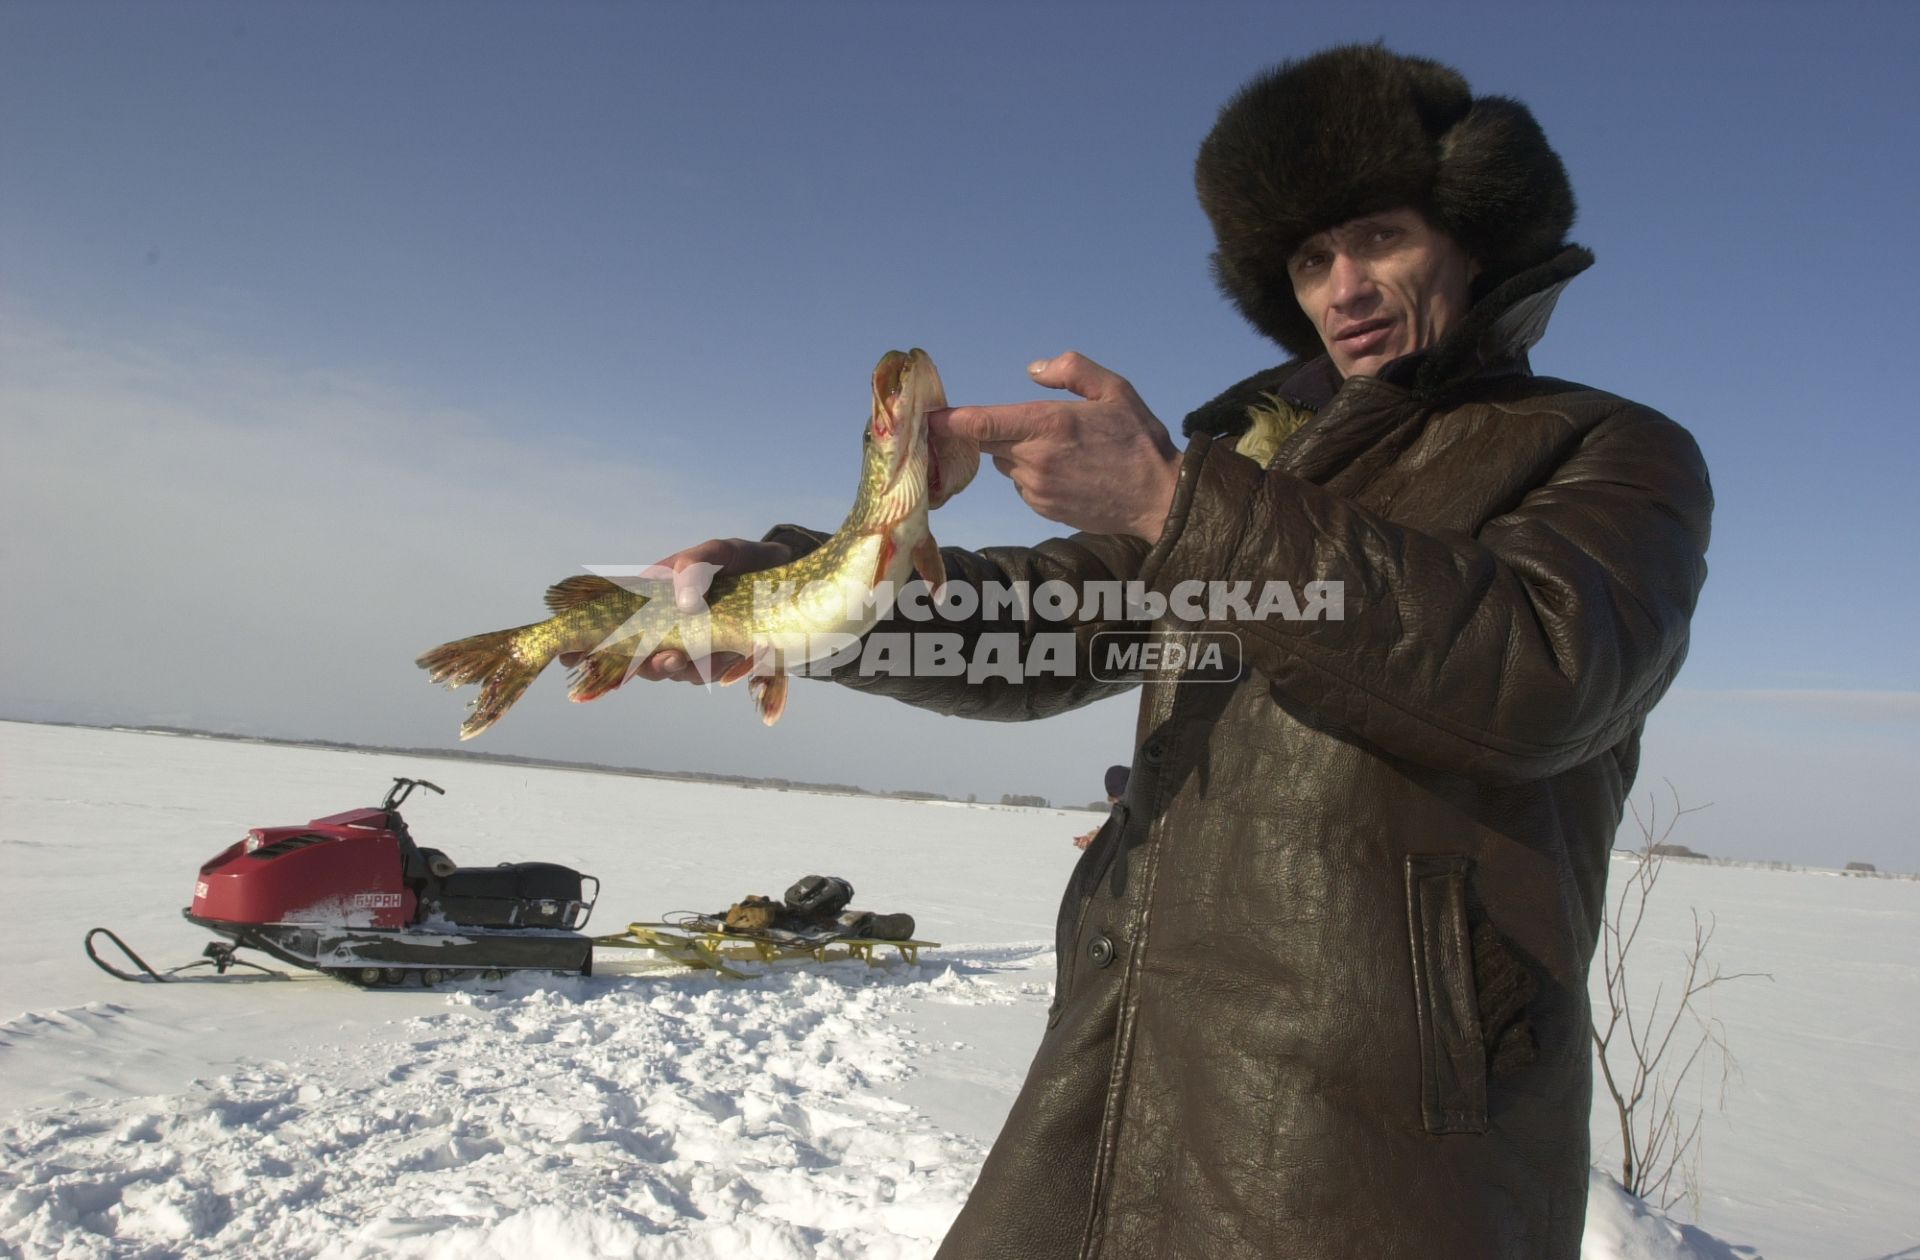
{"x": 353, "y": 896}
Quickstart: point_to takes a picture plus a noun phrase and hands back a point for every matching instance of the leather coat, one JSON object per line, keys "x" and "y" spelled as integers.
{"x": 1323, "y": 974}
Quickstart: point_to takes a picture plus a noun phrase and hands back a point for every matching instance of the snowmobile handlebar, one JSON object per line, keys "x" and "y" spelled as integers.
{"x": 403, "y": 788}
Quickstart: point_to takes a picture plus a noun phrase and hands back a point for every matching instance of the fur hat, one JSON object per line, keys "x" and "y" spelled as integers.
{"x": 1356, "y": 130}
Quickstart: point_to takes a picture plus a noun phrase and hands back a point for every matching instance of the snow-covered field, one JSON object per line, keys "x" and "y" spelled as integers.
{"x": 835, "y": 1112}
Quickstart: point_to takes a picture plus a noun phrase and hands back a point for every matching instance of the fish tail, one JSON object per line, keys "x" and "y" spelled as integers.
{"x": 467, "y": 660}
{"x": 488, "y": 659}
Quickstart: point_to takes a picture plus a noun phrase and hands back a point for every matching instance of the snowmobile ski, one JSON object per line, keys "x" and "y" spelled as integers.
{"x": 218, "y": 955}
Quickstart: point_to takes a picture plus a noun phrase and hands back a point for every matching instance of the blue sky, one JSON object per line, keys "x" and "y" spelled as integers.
{"x": 330, "y": 332}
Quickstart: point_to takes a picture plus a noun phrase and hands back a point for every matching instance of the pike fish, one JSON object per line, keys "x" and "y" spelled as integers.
{"x": 777, "y": 619}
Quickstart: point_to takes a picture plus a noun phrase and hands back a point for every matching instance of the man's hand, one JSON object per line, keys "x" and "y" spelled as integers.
{"x": 1105, "y": 465}
{"x": 733, "y": 555}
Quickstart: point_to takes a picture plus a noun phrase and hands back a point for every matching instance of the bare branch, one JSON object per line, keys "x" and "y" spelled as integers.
{"x": 1644, "y": 1058}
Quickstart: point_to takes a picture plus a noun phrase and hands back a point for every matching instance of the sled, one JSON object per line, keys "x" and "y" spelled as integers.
{"x": 705, "y": 944}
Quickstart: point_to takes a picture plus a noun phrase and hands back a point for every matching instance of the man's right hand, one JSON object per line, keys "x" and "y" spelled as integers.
{"x": 1104, "y": 464}
{"x": 732, "y": 555}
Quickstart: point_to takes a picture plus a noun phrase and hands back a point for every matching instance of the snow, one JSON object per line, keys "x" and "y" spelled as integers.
{"x": 839, "y": 1111}
{"x": 682, "y": 1119}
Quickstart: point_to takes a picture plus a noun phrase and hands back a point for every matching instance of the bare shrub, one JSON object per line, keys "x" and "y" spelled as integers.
{"x": 1647, "y": 1050}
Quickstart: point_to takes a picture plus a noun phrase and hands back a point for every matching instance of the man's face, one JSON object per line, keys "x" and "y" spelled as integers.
{"x": 1380, "y": 287}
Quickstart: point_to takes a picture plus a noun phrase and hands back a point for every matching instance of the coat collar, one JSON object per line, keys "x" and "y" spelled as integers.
{"x": 1492, "y": 340}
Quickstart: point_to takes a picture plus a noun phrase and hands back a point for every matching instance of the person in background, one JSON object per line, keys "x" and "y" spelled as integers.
{"x": 1116, "y": 788}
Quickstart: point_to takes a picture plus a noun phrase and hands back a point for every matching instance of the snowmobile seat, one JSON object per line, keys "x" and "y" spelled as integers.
{"x": 513, "y": 894}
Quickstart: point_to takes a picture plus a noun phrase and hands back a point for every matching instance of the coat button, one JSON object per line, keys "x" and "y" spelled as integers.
{"x": 1100, "y": 951}
{"x": 1154, "y": 751}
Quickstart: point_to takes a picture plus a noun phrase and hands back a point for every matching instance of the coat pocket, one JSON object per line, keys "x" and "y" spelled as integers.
{"x": 1453, "y": 1057}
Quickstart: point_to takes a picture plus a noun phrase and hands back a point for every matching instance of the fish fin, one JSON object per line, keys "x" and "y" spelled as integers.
{"x": 602, "y": 671}
{"x": 886, "y": 558}
{"x": 927, "y": 563}
{"x": 951, "y": 463}
{"x": 738, "y": 670}
{"x": 579, "y": 590}
{"x": 489, "y": 660}
{"x": 769, "y": 695}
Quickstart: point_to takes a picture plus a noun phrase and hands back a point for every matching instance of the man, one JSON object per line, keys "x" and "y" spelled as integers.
{"x": 1322, "y": 981}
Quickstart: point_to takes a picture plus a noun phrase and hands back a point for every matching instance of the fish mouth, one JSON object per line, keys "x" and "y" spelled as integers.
{"x": 906, "y": 386}
{"x": 890, "y": 376}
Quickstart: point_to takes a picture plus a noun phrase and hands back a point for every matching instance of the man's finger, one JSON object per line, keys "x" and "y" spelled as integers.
{"x": 1076, "y": 372}
{"x": 673, "y": 665}
{"x": 1008, "y": 422}
{"x": 655, "y": 668}
{"x": 705, "y": 671}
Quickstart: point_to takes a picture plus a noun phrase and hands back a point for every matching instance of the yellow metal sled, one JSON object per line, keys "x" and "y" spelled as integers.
{"x": 716, "y": 949}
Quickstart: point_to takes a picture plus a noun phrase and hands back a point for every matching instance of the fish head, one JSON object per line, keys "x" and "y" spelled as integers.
{"x": 916, "y": 465}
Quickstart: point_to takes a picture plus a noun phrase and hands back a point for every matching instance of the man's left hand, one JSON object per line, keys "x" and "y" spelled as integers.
{"x": 1105, "y": 465}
